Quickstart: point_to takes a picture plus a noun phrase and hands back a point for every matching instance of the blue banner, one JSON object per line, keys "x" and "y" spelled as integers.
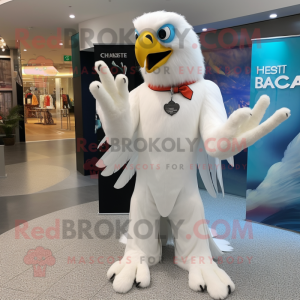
{"x": 273, "y": 173}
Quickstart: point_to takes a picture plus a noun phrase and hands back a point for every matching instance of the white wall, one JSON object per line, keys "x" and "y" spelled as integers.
{"x": 117, "y": 22}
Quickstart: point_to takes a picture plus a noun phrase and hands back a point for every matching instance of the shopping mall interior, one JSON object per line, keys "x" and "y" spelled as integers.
{"x": 75, "y": 214}
{"x": 54, "y": 94}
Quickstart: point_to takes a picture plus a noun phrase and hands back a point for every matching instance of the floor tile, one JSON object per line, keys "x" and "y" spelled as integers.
{"x": 28, "y": 282}
{"x": 10, "y": 294}
{"x": 83, "y": 283}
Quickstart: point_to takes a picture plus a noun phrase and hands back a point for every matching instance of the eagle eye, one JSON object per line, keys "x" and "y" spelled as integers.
{"x": 163, "y": 33}
{"x": 166, "y": 33}
{"x": 136, "y": 34}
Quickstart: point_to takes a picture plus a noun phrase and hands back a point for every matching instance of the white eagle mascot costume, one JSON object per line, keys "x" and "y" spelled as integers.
{"x": 164, "y": 128}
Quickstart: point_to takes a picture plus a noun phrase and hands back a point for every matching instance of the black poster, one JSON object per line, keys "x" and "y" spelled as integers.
{"x": 121, "y": 60}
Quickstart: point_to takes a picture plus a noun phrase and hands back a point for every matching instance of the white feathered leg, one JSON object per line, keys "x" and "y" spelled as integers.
{"x": 194, "y": 250}
{"x": 143, "y": 248}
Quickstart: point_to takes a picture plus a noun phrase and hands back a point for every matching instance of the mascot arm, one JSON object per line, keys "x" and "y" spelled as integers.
{"x": 224, "y": 137}
{"x": 118, "y": 108}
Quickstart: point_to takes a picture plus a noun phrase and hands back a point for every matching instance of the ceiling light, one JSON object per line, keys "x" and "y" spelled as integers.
{"x": 4, "y": 1}
{"x": 273, "y": 16}
{"x": 61, "y": 44}
{"x": 25, "y": 49}
{"x": 40, "y": 70}
{"x": 72, "y": 16}
{"x": 204, "y": 29}
{"x": 3, "y": 49}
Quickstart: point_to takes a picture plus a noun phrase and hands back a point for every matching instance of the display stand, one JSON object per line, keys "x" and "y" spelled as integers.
{"x": 64, "y": 113}
{"x": 44, "y": 116}
{"x": 61, "y": 98}
{"x": 30, "y": 111}
{"x": 2, "y": 162}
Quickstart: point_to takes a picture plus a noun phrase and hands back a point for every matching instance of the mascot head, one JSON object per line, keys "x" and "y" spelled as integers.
{"x": 167, "y": 49}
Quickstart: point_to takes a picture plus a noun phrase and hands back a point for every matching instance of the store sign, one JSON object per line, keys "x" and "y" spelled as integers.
{"x": 67, "y": 58}
{"x": 273, "y": 174}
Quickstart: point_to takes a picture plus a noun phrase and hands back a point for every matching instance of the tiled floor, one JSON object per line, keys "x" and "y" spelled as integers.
{"x": 79, "y": 271}
{"x": 42, "y": 178}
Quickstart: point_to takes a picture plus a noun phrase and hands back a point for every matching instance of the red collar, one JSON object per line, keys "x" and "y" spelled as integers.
{"x": 183, "y": 89}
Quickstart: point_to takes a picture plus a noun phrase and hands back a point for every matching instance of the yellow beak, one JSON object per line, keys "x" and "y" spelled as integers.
{"x": 148, "y": 48}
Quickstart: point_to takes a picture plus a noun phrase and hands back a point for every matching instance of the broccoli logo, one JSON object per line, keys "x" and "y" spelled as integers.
{"x": 39, "y": 258}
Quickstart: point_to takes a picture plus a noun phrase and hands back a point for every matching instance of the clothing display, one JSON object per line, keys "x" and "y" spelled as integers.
{"x": 31, "y": 99}
{"x": 71, "y": 102}
{"x": 35, "y": 100}
{"x": 66, "y": 101}
{"x": 28, "y": 98}
{"x": 46, "y": 101}
{"x": 54, "y": 99}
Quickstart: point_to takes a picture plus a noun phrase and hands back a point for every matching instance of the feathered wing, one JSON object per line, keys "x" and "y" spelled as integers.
{"x": 113, "y": 160}
{"x": 213, "y": 113}
{"x": 210, "y": 168}
{"x": 116, "y": 160}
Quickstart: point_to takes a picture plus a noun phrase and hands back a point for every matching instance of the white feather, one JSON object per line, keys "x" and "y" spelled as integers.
{"x": 213, "y": 232}
{"x": 115, "y": 160}
{"x": 123, "y": 239}
{"x": 219, "y": 174}
{"x": 213, "y": 171}
{"x": 202, "y": 161}
{"x": 102, "y": 141}
{"x": 127, "y": 173}
{"x": 110, "y": 157}
{"x": 118, "y": 164}
{"x": 231, "y": 161}
{"x": 223, "y": 245}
